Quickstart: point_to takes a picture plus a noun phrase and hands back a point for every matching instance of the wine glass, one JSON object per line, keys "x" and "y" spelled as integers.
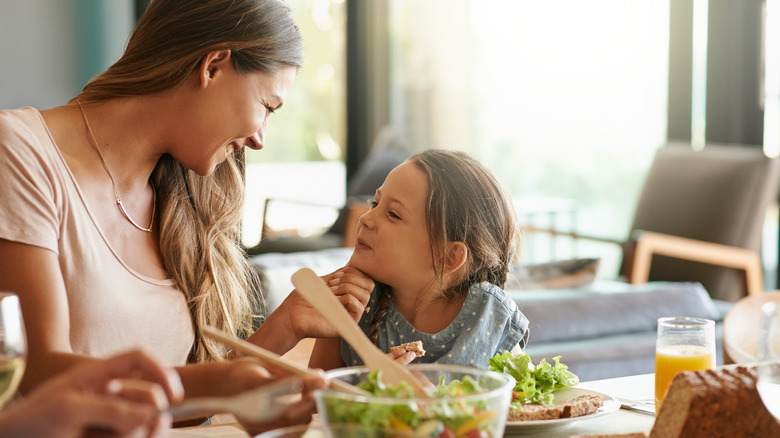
{"x": 13, "y": 346}
{"x": 768, "y": 384}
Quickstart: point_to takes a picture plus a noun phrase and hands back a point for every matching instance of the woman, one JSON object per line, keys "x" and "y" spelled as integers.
{"x": 121, "y": 209}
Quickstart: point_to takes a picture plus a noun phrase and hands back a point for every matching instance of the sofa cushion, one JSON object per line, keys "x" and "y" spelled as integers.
{"x": 573, "y": 314}
{"x": 276, "y": 269}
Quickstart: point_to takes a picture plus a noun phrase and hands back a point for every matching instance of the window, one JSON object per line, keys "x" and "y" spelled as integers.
{"x": 565, "y": 101}
{"x": 304, "y": 158}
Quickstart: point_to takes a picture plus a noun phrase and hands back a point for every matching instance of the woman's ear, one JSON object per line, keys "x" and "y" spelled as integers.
{"x": 457, "y": 254}
{"x": 212, "y": 65}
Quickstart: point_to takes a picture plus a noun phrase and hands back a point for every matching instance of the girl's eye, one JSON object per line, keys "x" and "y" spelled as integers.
{"x": 270, "y": 110}
{"x": 374, "y": 204}
{"x": 393, "y": 215}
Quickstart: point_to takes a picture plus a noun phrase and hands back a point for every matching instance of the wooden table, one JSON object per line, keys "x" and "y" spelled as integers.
{"x": 639, "y": 387}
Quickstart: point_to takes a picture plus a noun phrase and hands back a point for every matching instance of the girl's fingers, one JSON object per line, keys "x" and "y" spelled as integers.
{"x": 402, "y": 356}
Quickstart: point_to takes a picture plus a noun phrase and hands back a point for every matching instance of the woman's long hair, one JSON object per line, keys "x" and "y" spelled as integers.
{"x": 199, "y": 216}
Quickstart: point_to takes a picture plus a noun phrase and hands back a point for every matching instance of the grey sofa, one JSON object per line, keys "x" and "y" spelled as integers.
{"x": 600, "y": 329}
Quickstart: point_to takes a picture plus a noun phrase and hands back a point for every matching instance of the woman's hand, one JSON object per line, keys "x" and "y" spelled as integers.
{"x": 233, "y": 377}
{"x": 299, "y": 412}
{"x": 122, "y": 396}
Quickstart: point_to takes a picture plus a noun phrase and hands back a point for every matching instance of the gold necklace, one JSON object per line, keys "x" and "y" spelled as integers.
{"x": 113, "y": 183}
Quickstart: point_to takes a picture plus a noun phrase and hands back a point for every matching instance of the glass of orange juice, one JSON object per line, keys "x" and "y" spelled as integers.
{"x": 683, "y": 344}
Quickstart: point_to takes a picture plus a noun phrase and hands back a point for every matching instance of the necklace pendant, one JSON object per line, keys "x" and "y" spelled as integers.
{"x": 127, "y": 216}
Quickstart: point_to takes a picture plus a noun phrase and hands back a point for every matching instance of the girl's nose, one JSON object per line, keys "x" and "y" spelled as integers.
{"x": 366, "y": 219}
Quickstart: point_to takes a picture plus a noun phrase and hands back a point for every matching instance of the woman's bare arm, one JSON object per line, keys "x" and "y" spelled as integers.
{"x": 34, "y": 274}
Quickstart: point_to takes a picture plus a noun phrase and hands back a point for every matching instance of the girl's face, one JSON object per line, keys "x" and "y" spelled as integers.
{"x": 231, "y": 113}
{"x": 392, "y": 244}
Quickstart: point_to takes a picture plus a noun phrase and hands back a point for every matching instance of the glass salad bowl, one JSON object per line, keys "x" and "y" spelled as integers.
{"x": 464, "y": 402}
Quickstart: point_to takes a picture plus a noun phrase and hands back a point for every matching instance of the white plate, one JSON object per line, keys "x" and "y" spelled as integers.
{"x": 611, "y": 404}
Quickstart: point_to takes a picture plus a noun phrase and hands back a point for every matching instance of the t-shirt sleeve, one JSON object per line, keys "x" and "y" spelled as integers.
{"x": 29, "y": 197}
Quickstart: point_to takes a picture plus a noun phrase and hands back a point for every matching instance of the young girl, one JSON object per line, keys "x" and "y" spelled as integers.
{"x": 438, "y": 242}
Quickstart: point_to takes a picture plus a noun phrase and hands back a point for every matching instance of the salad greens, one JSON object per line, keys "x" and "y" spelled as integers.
{"x": 439, "y": 418}
{"x": 535, "y": 384}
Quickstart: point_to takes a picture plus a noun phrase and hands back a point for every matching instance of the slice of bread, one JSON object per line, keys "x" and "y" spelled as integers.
{"x": 714, "y": 403}
{"x": 612, "y": 435}
{"x": 578, "y": 406}
{"x": 416, "y": 347}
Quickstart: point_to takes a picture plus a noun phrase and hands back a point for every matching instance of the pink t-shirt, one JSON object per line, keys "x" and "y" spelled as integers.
{"x": 112, "y": 307}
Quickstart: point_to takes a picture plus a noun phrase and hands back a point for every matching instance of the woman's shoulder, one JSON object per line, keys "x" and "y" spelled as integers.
{"x": 20, "y": 118}
{"x": 23, "y": 125}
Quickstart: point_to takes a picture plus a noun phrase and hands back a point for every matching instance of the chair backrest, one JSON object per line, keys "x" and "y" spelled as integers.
{"x": 720, "y": 195}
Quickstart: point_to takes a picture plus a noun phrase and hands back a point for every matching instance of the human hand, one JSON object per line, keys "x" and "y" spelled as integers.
{"x": 119, "y": 397}
{"x": 299, "y": 412}
{"x": 237, "y": 376}
{"x": 351, "y": 287}
{"x": 402, "y": 356}
{"x": 296, "y": 319}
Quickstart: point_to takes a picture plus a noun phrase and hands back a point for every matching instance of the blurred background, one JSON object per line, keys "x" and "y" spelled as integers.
{"x": 566, "y": 101}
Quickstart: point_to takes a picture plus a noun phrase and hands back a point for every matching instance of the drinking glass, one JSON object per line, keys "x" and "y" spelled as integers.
{"x": 768, "y": 384}
{"x": 683, "y": 344}
{"x": 13, "y": 346}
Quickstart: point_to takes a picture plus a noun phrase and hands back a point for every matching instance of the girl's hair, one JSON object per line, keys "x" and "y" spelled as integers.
{"x": 466, "y": 203}
{"x": 200, "y": 217}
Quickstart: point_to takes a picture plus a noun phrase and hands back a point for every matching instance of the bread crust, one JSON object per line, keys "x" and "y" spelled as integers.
{"x": 578, "y": 406}
{"x": 415, "y": 346}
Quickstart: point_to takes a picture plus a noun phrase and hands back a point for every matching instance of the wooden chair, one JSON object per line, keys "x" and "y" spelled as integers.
{"x": 700, "y": 218}
{"x": 647, "y": 244}
{"x": 741, "y": 328}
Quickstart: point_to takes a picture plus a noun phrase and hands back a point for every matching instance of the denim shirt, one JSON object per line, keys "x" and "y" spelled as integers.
{"x": 488, "y": 323}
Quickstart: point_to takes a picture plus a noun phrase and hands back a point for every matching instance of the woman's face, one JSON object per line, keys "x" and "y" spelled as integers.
{"x": 392, "y": 244}
{"x": 230, "y": 113}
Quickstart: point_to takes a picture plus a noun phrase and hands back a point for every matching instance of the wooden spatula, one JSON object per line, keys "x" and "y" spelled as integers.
{"x": 272, "y": 358}
{"x": 316, "y": 292}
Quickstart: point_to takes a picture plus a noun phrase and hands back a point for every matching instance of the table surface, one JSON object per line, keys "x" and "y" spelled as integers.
{"x": 638, "y": 388}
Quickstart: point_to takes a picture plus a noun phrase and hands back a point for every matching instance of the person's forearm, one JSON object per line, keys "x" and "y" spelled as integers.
{"x": 276, "y": 333}
{"x": 43, "y": 365}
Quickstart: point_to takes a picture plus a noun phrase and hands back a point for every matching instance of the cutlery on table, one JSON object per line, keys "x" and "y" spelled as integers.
{"x": 273, "y": 358}
{"x": 258, "y": 405}
{"x": 317, "y": 293}
{"x": 645, "y": 407}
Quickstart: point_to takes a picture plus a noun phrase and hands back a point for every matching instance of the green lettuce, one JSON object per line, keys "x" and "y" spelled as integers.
{"x": 534, "y": 384}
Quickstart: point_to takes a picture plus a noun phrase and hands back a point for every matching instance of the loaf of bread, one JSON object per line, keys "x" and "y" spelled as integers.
{"x": 416, "y": 347}
{"x": 611, "y": 435}
{"x": 714, "y": 403}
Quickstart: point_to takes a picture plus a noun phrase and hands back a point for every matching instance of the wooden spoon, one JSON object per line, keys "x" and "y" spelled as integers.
{"x": 316, "y": 292}
{"x": 273, "y": 358}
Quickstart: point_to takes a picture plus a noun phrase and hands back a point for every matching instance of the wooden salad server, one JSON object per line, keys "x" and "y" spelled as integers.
{"x": 316, "y": 292}
{"x": 272, "y": 358}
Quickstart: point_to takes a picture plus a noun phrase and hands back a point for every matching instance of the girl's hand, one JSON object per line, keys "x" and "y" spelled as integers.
{"x": 353, "y": 289}
{"x": 401, "y": 356}
{"x": 296, "y": 319}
